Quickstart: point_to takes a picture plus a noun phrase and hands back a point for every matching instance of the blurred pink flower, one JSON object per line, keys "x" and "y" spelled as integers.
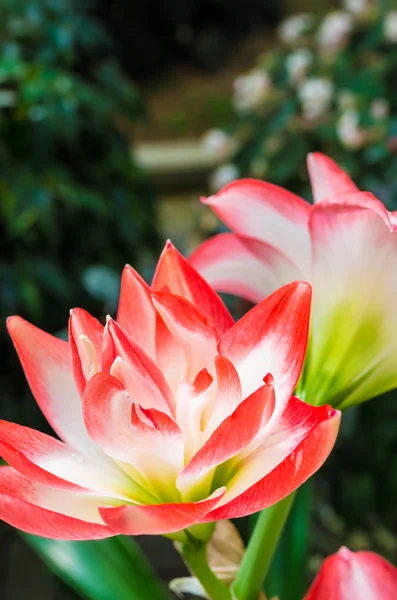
{"x": 354, "y": 576}
{"x": 345, "y": 246}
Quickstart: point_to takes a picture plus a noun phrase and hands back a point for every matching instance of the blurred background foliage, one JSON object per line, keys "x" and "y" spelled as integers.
{"x": 76, "y": 206}
{"x": 328, "y": 84}
{"x": 155, "y": 35}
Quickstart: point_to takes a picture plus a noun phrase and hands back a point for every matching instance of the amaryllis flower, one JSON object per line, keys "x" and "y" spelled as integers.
{"x": 170, "y": 416}
{"x": 345, "y": 246}
{"x": 354, "y": 576}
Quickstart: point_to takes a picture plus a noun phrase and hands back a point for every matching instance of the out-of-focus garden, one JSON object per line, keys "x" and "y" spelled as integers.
{"x": 115, "y": 117}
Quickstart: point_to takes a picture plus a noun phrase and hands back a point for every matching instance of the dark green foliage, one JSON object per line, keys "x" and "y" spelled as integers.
{"x": 73, "y": 206}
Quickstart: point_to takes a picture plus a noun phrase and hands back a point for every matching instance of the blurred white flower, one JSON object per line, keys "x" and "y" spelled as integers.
{"x": 390, "y": 27}
{"x": 346, "y": 100}
{"x": 8, "y": 98}
{"x": 357, "y": 7}
{"x": 379, "y": 109}
{"x": 334, "y": 30}
{"x": 315, "y": 95}
{"x": 349, "y": 131}
{"x": 297, "y": 64}
{"x": 292, "y": 29}
{"x": 222, "y": 176}
{"x": 251, "y": 89}
{"x": 217, "y": 142}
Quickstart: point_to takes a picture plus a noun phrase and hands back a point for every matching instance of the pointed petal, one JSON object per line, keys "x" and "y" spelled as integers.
{"x": 138, "y": 373}
{"x": 271, "y": 338}
{"x": 176, "y": 274}
{"x": 348, "y": 575}
{"x": 136, "y": 313}
{"x": 327, "y": 178}
{"x": 228, "y": 393}
{"x": 268, "y": 213}
{"x": 159, "y": 519}
{"x": 51, "y": 462}
{"x": 275, "y": 442}
{"x": 147, "y": 440}
{"x": 48, "y": 369}
{"x": 353, "y": 249}
{"x": 191, "y": 330}
{"x": 49, "y": 524}
{"x": 85, "y": 340}
{"x": 361, "y": 200}
{"x": 56, "y": 514}
{"x": 242, "y": 266}
{"x": 300, "y": 464}
{"x": 167, "y": 347}
{"x": 107, "y": 416}
{"x": 29, "y": 469}
{"x": 233, "y": 435}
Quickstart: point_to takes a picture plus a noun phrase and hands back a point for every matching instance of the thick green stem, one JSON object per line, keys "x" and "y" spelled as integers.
{"x": 194, "y": 554}
{"x": 260, "y": 550}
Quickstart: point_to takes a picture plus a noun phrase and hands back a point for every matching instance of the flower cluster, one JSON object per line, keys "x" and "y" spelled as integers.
{"x": 328, "y": 86}
{"x": 169, "y": 417}
{"x": 172, "y": 416}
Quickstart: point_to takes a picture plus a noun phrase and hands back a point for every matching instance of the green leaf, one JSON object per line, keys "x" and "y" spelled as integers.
{"x": 102, "y": 569}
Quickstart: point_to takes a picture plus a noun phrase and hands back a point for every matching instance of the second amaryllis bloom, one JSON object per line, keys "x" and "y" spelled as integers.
{"x": 345, "y": 246}
{"x": 168, "y": 417}
{"x": 350, "y": 575}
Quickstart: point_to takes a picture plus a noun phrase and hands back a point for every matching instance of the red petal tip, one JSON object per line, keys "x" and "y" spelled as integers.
{"x": 269, "y": 379}
{"x": 345, "y": 554}
{"x": 333, "y": 412}
{"x": 13, "y": 321}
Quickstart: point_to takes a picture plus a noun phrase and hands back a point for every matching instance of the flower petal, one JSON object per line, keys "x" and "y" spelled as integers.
{"x": 228, "y": 393}
{"x": 56, "y": 514}
{"x": 303, "y": 460}
{"x": 129, "y": 363}
{"x": 48, "y": 369}
{"x": 85, "y": 340}
{"x": 349, "y": 575}
{"x": 136, "y": 313}
{"x": 148, "y": 441}
{"x": 271, "y": 338}
{"x": 243, "y": 266}
{"x": 176, "y": 274}
{"x": 361, "y": 200}
{"x": 191, "y": 330}
{"x": 233, "y": 435}
{"x": 170, "y": 356}
{"x": 107, "y": 415}
{"x": 159, "y": 519}
{"x": 53, "y": 463}
{"x": 327, "y": 178}
{"x": 268, "y": 213}
{"x": 353, "y": 249}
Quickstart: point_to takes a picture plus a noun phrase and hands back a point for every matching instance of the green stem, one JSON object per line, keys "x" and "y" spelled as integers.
{"x": 194, "y": 554}
{"x": 260, "y": 550}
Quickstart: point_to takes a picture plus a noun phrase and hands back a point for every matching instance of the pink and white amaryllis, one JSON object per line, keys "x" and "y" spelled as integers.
{"x": 168, "y": 417}
{"x": 354, "y": 576}
{"x": 345, "y": 246}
